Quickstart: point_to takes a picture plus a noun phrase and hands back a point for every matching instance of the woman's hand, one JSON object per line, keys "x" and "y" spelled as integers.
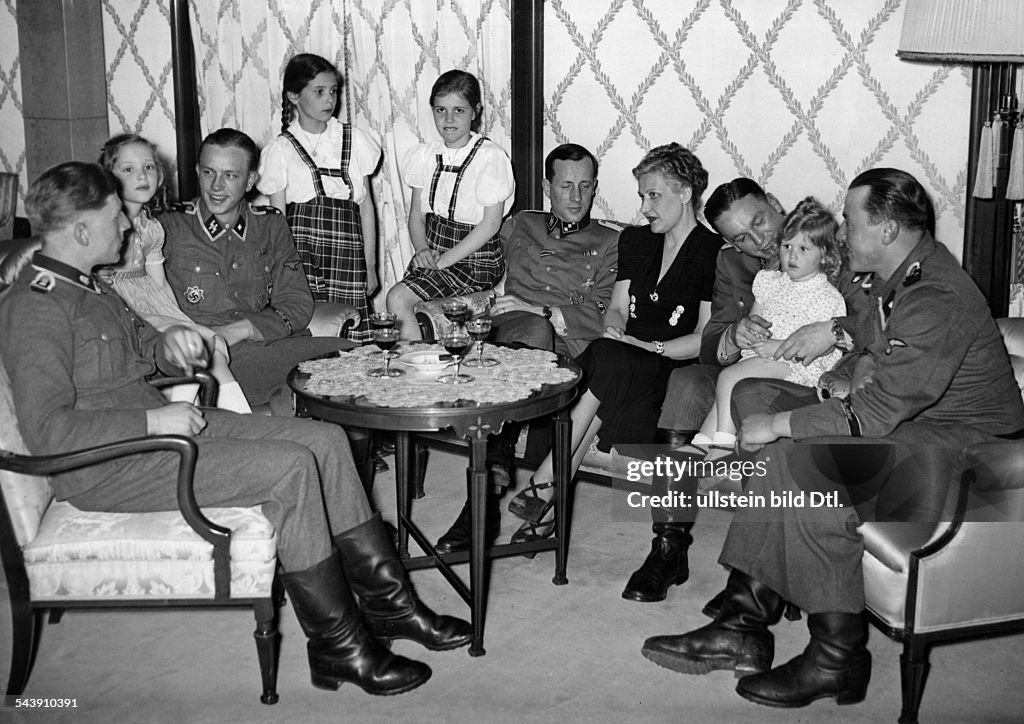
{"x": 613, "y": 332}
{"x": 425, "y": 259}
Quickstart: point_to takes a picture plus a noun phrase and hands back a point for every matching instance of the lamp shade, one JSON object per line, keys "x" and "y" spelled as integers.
{"x": 987, "y": 31}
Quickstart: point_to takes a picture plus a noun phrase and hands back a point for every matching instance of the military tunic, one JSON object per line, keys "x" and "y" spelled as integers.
{"x": 569, "y": 266}
{"x": 249, "y": 272}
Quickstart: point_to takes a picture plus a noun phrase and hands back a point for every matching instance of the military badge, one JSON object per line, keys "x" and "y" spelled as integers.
{"x": 913, "y": 274}
{"x": 194, "y": 295}
{"x": 43, "y": 282}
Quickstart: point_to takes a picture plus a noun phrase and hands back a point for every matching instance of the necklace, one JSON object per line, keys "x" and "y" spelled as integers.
{"x": 310, "y": 142}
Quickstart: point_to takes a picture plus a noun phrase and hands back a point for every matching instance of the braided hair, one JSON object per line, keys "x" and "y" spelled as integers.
{"x": 299, "y": 71}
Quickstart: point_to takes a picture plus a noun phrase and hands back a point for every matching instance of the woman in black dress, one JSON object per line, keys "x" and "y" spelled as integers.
{"x": 661, "y": 300}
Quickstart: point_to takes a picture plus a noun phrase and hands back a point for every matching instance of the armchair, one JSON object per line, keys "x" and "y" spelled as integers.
{"x": 928, "y": 583}
{"x": 57, "y": 557}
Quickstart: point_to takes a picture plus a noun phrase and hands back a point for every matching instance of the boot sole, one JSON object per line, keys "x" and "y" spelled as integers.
{"x": 389, "y": 640}
{"x": 697, "y": 667}
{"x": 850, "y": 696}
{"x": 331, "y": 683}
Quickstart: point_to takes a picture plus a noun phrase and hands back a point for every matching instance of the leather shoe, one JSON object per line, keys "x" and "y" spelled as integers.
{"x": 457, "y": 538}
{"x": 836, "y": 663}
{"x": 666, "y": 565}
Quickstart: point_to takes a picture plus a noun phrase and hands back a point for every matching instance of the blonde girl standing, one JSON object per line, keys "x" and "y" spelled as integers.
{"x": 317, "y": 173}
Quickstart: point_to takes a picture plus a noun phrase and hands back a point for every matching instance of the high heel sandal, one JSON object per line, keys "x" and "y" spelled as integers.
{"x": 528, "y": 505}
{"x": 530, "y": 531}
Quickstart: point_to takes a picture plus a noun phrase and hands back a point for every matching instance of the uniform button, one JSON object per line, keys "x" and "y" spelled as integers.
{"x": 217, "y": 274}
{"x": 236, "y": 295}
{"x": 198, "y": 269}
{"x": 234, "y": 265}
{"x": 588, "y": 266}
{"x": 547, "y": 288}
{"x": 104, "y": 336}
{"x": 547, "y": 268}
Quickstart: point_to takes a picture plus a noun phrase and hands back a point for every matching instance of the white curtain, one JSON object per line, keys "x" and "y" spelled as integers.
{"x": 390, "y": 52}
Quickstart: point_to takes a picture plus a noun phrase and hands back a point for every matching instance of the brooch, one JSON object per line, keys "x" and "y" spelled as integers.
{"x": 676, "y": 313}
{"x": 194, "y": 295}
{"x": 632, "y": 307}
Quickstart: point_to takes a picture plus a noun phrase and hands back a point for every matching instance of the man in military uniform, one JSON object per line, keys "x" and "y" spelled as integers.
{"x": 561, "y": 269}
{"x": 234, "y": 268}
{"x": 928, "y": 374}
{"x": 79, "y": 361}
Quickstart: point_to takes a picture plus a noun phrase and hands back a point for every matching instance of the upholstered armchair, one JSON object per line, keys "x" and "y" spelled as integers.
{"x": 928, "y": 583}
{"x": 433, "y": 324}
{"x": 57, "y": 557}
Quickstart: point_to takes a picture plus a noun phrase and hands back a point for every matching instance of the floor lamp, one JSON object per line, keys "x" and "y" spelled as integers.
{"x": 988, "y": 34}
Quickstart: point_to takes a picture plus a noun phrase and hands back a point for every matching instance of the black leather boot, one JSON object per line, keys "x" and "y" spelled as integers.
{"x": 390, "y": 606}
{"x": 738, "y": 639}
{"x": 340, "y": 649}
{"x": 666, "y": 565}
{"x": 836, "y": 663}
{"x": 457, "y": 537}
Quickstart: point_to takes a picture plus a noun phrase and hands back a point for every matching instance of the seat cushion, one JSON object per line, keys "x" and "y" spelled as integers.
{"x": 80, "y": 554}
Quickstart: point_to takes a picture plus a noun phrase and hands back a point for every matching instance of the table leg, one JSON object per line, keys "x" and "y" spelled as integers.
{"x": 402, "y": 489}
{"x": 477, "y": 475}
{"x": 563, "y": 454}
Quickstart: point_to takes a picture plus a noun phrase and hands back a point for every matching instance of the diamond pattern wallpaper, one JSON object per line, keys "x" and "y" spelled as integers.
{"x": 800, "y": 95}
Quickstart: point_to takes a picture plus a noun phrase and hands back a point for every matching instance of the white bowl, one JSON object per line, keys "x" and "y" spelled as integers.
{"x": 427, "y": 362}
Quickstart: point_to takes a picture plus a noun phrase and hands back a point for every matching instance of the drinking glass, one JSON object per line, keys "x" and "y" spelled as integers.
{"x": 478, "y": 330}
{"x": 456, "y": 345}
{"x": 383, "y": 320}
{"x": 457, "y": 312}
{"x": 385, "y": 339}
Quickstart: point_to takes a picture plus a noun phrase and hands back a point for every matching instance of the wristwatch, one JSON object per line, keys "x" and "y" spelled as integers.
{"x": 546, "y": 311}
{"x": 839, "y": 335}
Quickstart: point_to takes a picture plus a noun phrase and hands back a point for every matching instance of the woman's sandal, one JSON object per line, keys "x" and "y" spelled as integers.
{"x": 528, "y": 505}
{"x": 529, "y": 531}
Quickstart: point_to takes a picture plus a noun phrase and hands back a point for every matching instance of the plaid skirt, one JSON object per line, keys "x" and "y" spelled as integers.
{"x": 480, "y": 270}
{"x": 329, "y": 236}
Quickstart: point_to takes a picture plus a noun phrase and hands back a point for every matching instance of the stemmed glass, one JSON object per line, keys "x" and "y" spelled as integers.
{"x": 479, "y": 329}
{"x": 385, "y": 339}
{"x": 383, "y": 320}
{"x": 457, "y": 313}
{"x": 456, "y": 345}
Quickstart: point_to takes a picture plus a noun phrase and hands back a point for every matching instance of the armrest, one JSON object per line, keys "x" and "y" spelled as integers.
{"x": 996, "y": 465}
{"x": 332, "y": 319}
{"x": 207, "y": 385}
{"x": 432, "y": 321}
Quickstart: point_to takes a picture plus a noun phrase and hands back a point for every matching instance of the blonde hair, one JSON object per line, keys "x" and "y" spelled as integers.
{"x": 816, "y": 221}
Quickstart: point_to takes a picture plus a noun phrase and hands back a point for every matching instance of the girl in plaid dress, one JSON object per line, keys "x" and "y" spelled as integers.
{"x": 317, "y": 173}
{"x": 462, "y": 186}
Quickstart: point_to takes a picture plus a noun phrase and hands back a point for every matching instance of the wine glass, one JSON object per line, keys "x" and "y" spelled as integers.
{"x": 478, "y": 330}
{"x": 457, "y": 313}
{"x": 385, "y": 339}
{"x": 383, "y": 320}
{"x": 456, "y": 345}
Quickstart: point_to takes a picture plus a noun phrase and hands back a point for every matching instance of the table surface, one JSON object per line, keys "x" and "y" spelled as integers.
{"x": 465, "y": 416}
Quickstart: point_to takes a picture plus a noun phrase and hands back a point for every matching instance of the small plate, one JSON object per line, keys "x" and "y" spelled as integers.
{"x": 427, "y": 362}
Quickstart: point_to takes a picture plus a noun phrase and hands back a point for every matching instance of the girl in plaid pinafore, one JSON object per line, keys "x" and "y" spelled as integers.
{"x": 462, "y": 186}
{"x": 317, "y": 172}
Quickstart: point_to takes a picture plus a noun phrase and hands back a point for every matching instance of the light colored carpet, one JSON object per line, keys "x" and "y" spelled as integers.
{"x": 554, "y": 654}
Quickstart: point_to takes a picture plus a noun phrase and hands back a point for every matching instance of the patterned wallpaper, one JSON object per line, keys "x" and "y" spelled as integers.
{"x": 800, "y": 95}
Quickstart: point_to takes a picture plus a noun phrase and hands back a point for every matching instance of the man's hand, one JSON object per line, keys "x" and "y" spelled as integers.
{"x": 177, "y": 418}
{"x": 185, "y": 348}
{"x": 512, "y": 303}
{"x": 752, "y": 331}
{"x": 425, "y": 259}
{"x": 240, "y": 331}
{"x": 807, "y": 343}
{"x": 756, "y": 431}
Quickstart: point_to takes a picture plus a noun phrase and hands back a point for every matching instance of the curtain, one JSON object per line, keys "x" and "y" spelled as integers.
{"x": 390, "y": 52}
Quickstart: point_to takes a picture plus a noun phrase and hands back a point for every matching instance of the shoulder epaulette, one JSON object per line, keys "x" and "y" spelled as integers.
{"x": 613, "y": 225}
{"x": 185, "y": 207}
{"x": 260, "y": 209}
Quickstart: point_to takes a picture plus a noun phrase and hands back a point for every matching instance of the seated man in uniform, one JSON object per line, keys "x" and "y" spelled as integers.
{"x": 234, "y": 268}
{"x": 561, "y": 269}
{"x": 79, "y": 362}
{"x": 928, "y": 374}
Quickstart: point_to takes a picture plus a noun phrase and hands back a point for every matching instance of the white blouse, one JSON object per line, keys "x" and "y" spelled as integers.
{"x": 282, "y": 169}
{"x": 488, "y": 180}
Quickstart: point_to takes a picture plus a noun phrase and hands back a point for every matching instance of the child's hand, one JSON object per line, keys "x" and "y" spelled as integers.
{"x": 425, "y": 259}
{"x": 372, "y": 283}
{"x": 767, "y": 348}
{"x": 612, "y": 332}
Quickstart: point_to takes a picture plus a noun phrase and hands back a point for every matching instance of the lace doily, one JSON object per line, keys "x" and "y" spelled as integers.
{"x": 520, "y": 372}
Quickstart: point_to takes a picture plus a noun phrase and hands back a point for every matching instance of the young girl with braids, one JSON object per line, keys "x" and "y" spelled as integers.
{"x": 139, "y": 278}
{"x": 317, "y": 173}
{"x": 462, "y": 186}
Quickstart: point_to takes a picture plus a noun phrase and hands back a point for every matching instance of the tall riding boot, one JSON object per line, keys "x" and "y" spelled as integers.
{"x": 340, "y": 649}
{"x": 390, "y": 606}
{"x": 457, "y": 538}
{"x": 361, "y": 443}
{"x": 835, "y": 663}
{"x": 738, "y": 639}
{"x": 666, "y": 565}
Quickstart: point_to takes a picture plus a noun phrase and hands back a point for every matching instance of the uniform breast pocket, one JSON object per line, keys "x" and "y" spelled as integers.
{"x": 103, "y": 353}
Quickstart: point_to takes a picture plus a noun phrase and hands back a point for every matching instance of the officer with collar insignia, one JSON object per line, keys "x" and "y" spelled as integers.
{"x": 233, "y": 267}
